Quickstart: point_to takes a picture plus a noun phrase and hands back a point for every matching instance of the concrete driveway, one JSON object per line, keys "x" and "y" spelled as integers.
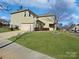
{"x": 6, "y": 35}
{"x": 16, "y": 51}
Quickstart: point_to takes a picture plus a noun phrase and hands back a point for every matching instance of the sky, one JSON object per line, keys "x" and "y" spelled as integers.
{"x": 67, "y": 11}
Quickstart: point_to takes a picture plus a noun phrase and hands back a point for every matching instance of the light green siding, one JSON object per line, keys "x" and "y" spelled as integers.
{"x": 47, "y": 21}
{"x": 19, "y": 18}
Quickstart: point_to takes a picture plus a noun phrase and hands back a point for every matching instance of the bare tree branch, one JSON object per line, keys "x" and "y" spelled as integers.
{"x": 4, "y": 6}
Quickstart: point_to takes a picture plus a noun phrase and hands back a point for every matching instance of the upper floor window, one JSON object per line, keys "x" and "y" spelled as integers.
{"x": 25, "y": 14}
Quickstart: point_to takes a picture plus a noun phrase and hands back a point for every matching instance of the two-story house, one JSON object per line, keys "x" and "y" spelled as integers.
{"x": 27, "y": 20}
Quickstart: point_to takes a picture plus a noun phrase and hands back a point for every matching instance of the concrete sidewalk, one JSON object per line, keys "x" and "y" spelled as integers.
{"x": 16, "y": 51}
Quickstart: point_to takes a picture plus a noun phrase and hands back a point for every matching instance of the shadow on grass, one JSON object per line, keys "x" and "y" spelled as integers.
{"x": 16, "y": 38}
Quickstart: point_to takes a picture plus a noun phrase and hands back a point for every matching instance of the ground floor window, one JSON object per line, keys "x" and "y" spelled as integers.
{"x": 51, "y": 25}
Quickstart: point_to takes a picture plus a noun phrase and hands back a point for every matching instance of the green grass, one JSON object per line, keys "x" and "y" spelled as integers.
{"x": 4, "y": 30}
{"x": 55, "y": 44}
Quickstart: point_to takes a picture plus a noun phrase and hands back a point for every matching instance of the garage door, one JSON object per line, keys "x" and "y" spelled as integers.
{"x": 27, "y": 27}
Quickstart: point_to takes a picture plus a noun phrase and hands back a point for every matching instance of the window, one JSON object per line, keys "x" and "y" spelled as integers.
{"x": 25, "y": 14}
{"x": 51, "y": 25}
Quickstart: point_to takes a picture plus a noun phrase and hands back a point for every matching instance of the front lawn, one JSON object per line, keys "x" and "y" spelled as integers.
{"x": 55, "y": 44}
{"x": 4, "y": 30}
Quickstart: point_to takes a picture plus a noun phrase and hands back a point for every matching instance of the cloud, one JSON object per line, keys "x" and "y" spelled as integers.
{"x": 61, "y": 5}
{"x": 65, "y": 6}
{"x": 70, "y": 2}
{"x": 61, "y": 8}
{"x": 40, "y": 1}
{"x": 74, "y": 19}
{"x": 3, "y": 17}
{"x": 26, "y": 1}
{"x": 75, "y": 16}
{"x": 44, "y": 3}
{"x": 35, "y": 3}
{"x": 66, "y": 11}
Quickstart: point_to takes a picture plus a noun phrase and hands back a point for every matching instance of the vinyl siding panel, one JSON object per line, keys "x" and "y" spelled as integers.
{"x": 47, "y": 21}
{"x": 18, "y": 18}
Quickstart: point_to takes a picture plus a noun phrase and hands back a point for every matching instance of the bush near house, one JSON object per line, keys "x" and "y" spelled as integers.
{"x": 42, "y": 29}
{"x": 61, "y": 45}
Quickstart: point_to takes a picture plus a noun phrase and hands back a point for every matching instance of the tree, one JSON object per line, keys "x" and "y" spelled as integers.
{"x": 61, "y": 10}
{"x": 4, "y": 6}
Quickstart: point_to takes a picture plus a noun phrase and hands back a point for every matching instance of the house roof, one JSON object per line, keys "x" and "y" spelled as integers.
{"x": 18, "y": 11}
{"x": 31, "y": 12}
{"x": 46, "y": 20}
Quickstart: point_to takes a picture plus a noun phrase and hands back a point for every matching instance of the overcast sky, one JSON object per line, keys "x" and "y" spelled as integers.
{"x": 66, "y": 10}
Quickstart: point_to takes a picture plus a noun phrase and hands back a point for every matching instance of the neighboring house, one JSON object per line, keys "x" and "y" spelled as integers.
{"x": 76, "y": 28}
{"x": 3, "y": 23}
{"x": 28, "y": 21}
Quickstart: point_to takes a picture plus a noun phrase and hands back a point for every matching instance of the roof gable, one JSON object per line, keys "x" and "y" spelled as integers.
{"x": 31, "y": 12}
